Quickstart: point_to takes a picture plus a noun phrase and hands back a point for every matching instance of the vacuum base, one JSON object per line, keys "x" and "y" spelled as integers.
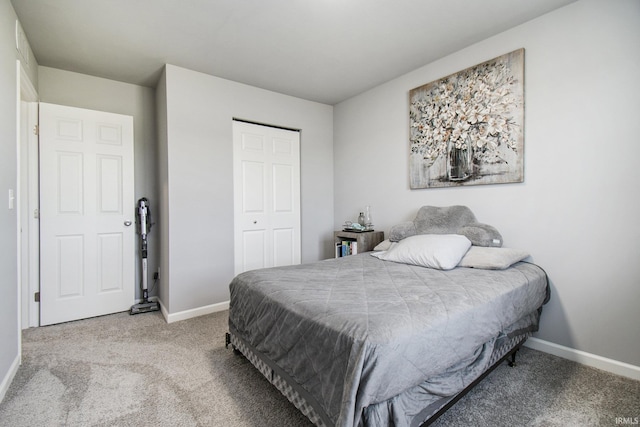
{"x": 144, "y": 307}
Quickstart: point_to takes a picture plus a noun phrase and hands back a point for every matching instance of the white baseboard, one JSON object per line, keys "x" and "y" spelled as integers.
{"x": 588, "y": 359}
{"x": 194, "y": 312}
{"x": 6, "y": 381}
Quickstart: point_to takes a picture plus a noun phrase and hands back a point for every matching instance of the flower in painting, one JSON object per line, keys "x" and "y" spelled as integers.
{"x": 473, "y": 108}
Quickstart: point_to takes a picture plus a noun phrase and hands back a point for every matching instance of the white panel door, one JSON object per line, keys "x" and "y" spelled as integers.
{"x": 266, "y": 196}
{"x": 87, "y": 207}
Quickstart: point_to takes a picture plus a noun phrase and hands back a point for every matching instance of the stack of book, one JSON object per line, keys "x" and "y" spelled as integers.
{"x": 346, "y": 247}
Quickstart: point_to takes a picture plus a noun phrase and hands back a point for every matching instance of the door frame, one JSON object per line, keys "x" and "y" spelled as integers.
{"x": 28, "y": 202}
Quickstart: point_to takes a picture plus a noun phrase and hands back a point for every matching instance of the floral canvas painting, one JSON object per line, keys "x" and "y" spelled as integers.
{"x": 467, "y": 128}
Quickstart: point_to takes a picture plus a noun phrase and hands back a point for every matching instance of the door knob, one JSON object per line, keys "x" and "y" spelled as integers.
{"x": 127, "y": 223}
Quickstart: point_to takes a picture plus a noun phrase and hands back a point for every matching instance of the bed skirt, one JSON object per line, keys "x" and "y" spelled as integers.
{"x": 503, "y": 346}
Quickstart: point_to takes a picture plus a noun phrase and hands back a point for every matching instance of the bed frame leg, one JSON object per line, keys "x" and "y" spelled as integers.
{"x": 512, "y": 359}
{"x": 227, "y": 343}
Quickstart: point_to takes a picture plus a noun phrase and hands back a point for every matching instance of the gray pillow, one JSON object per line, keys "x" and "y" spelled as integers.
{"x": 482, "y": 235}
{"x": 447, "y": 220}
{"x": 443, "y": 220}
{"x": 402, "y": 230}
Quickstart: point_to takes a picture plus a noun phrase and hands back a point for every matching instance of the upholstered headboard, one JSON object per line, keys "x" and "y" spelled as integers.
{"x": 448, "y": 220}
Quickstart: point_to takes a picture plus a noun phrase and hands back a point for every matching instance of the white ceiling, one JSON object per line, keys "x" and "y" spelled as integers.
{"x": 320, "y": 50}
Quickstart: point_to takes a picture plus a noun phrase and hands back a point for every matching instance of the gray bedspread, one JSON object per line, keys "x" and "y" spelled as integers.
{"x": 356, "y": 331}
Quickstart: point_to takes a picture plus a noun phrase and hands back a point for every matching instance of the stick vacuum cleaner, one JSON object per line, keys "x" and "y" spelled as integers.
{"x": 143, "y": 221}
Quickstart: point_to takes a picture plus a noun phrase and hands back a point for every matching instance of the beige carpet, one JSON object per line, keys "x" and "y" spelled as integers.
{"x": 123, "y": 370}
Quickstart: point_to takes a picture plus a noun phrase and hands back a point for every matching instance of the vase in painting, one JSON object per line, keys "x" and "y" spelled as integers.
{"x": 459, "y": 161}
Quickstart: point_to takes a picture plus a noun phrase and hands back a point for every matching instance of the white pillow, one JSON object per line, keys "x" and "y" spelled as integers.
{"x": 440, "y": 251}
{"x": 385, "y": 245}
{"x": 492, "y": 258}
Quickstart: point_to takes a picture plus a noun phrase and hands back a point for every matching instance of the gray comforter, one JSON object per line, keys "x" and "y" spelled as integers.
{"x": 356, "y": 331}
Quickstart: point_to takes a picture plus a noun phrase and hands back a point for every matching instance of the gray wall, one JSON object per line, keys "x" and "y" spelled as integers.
{"x": 94, "y": 93}
{"x": 9, "y": 327}
{"x": 577, "y": 211}
{"x": 199, "y": 179}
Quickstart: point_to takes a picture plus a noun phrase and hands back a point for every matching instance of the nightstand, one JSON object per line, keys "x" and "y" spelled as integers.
{"x": 365, "y": 241}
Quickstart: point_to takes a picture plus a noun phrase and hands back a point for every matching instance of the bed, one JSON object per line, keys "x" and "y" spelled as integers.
{"x": 373, "y": 341}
